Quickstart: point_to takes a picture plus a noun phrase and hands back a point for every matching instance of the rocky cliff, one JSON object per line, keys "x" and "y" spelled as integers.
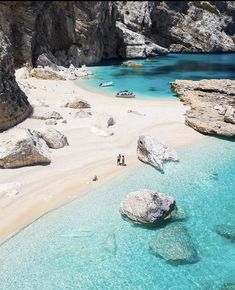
{"x": 80, "y": 32}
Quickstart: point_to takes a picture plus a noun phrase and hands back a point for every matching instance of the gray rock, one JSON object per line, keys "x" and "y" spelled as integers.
{"x": 229, "y": 116}
{"x": 136, "y": 45}
{"x": 51, "y": 122}
{"x": 77, "y": 103}
{"x": 147, "y": 206}
{"x": 14, "y": 105}
{"x": 43, "y": 113}
{"x": 226, "y": 231}
{"x": 53, "y": 138}
{"x": 19, "y": 147}
{"x": 154, "y": 152}
{"x": 173, "y": 244}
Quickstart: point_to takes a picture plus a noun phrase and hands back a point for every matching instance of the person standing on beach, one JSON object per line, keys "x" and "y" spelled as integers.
{"x": 123, "y": 161}
{"x": 119, "y": 160}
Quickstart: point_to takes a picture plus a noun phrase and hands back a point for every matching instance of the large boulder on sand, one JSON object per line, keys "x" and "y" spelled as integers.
{"x": 20, "y": 147}
{"x": 104, "y": 121}
{"x": 53, "y": 138}
{"x": 173, "y": 243}
{"x": 147, "y": 206}
{"x": 46, "y": 74}
{"x": 43, "y": 113}
{"x": 154, "y": 152}
{"x": 77, "y": 103}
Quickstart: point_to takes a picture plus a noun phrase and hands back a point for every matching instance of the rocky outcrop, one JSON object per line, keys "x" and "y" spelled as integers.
{"x": 173, "y": 243}
{"x": 60, "y": 33}
{"x": 150, "y": 150}
{"x": 53, "y": 138}
{"x": 136, "y": 45}
{"x": 19, "y": 147}
{"x": 226, "y": 231}
{"x": 14, "y": 106}
{"x": 147, "y": 206}
{"x": 182, "y": 26}
{"x": 212, "y": 105}
{"x": 42, "y": 113}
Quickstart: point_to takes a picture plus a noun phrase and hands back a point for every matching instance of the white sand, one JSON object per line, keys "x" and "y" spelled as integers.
{"x": 73, "y": 167}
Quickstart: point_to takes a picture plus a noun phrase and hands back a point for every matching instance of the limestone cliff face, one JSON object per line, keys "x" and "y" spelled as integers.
{"x": 78, "y": 32}
{"x": 14, "y": 106}
{"x": 183, "y": 26}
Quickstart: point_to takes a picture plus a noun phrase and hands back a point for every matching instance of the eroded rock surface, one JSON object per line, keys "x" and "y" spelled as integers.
{"x": 226, "y": 231}
{"x": 212, "y": 105}
{"x": 19, "y": 147}
{"x": 154, "y": 152}
{"x": 147, "y": 206}
{"x": 42, "y": 113}
{"x": 174, "y": 244}
{"x": 53, "y": 138}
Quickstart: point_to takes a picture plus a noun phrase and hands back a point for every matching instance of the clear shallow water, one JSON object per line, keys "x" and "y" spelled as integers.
{"x": 152, "y": 80}
{"x": 87, "y": 245}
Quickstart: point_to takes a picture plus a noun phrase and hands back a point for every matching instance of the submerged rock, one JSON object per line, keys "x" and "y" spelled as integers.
{"x": 226, "y": 231}
{"x": 154, "y": 152}
{"x": 173, "y": 244}
{"x": 147, "y": 206}
{"x": 19, "y": 147}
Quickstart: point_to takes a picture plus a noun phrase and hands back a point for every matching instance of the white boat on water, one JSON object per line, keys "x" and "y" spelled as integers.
{"x": 108, "y": 84}
{"x": 125, "y": 94}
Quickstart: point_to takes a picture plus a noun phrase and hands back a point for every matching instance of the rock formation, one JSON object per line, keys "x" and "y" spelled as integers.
{"x": 147, "y": 206}
{"x": 212, "y": 105}
{"x": 19, "y": 147}
{"x": 226, "y": 231}
{"x": 53, "y": 138}
{"x": 14, "y": 106}
{"x": 77, "y": 103}
{"x": 173, "y": 243}
{"x": 60, "y": 33}
{"x": 42, "y": 113}
{"x": 150, "y": 150}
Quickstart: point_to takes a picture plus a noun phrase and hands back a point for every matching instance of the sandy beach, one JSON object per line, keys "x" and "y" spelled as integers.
{"x": 89, "y": 153}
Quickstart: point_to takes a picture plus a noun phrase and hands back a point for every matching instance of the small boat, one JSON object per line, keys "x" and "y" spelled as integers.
{"x": 125, "y": 94}
{"x": 106, "y": 84}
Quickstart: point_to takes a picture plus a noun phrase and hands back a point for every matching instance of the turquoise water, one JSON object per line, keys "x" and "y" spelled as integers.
{"x": 152, "y": 80}
{"x": 87, "y": 245}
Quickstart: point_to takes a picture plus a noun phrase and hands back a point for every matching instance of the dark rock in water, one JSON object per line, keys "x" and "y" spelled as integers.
{"x": 152, "y": 89}
{"x": 228, "y": 286}
{"x": 226, "y": 231}
{"x": 173, "y": 244}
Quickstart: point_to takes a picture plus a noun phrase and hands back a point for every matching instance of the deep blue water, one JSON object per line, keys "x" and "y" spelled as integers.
{"x": 153, "y": 79}
{"x": 87, "y": 245}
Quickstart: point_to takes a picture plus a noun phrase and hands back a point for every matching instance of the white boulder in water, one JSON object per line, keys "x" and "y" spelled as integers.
{"x": 154, "y": 152}
{"x": 147, "y": 206}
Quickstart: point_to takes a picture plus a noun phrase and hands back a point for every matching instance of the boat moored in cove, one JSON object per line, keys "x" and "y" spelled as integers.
{"x": 125, "y": 94}
{"x": 107, "y": 84}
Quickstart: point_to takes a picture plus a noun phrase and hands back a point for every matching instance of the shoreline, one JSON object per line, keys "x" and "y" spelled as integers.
{"x": 45, "y": 188}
